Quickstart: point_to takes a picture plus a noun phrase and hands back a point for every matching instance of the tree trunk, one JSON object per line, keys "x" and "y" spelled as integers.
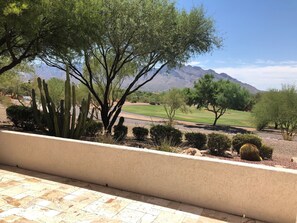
{"x": 275, "y": 125}
{"x": 216, "y": 119}
{"x": 105, "y": 120}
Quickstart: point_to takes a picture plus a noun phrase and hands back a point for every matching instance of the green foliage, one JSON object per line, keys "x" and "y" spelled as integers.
{"x": 218, "y": 143}
{"x": 4, "y": 100}
{"x": 57, "y": 88}
{"x": 278, "y": 107}
{"x": 159, "y": 133}
{"x": 145, "y": 97}
{"x": 61, "y": 121}
{"x": 93, "y": 128}
{"x": 120, "y": 131}
{"x": 240, "y": 139}
{"x": 174, "y": 100}
{"x": 267, "y": 109}
{"x": 249, "y": 152}
{"x": 266, "y": 152}
{"x": 140, "y": 133}
{"x": 123, "y": 42}
{"x": 218, "y": 96}
{"x": 12, "y": 83}
{"x": 166, "y": 146}
{"x": 29, "y": 28}
{"x": 196, "y": 139}
{"x": 21, "y": 116}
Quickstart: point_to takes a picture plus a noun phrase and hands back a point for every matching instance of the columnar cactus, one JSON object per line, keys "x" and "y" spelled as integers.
{"x": 61, "y": 122}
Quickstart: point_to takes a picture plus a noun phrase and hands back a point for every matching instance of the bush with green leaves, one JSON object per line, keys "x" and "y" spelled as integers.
{"x": 93, "y": 128}
{"x": 240, "y": 139}
{"x": 120, "y": 130}
{"x": 218, "y": 143}
{"x": 196, "y": 139}
{"x": 250, "y": 152}
{"x": 140, "y": 133}
{"x": 166, "y": 146}
{"x": 21, "y": 116}
{"x": 266, "y": 152}
{"x": 159, "y": 133}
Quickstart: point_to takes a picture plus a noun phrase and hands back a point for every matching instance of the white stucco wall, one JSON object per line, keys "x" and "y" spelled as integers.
{"x": 256, "y": 191}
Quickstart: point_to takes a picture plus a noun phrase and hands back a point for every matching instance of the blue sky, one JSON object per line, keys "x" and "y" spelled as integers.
{"x": 259, "y": 40}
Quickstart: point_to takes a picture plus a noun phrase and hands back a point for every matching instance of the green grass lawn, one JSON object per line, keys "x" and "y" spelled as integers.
{"x": 231, "y": 117}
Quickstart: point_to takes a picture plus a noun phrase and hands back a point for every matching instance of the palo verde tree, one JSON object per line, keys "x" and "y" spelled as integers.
{"x": 117, "y": 43}
{"x": 278, "y": 107}
{"x": 174, "y": 100}
{"x": 27, "y": 28}
{"x": 218, "y": 96}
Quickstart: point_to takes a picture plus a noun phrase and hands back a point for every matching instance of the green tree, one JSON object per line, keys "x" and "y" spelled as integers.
{"x": 121, "y": 41}
{"x": 278, "y": 107}
{"x": 57, "y": 88}
{"x": 174, "y": 100}
{"x": 12, "y": 82}
{"x": 218, "y": 96}
{"x": 29, "y": 28}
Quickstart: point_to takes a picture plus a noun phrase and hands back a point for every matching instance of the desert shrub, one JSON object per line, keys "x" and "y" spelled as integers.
{"x": 266, "y": 152}
{"x": 218, "y": 143}
{"x": 260, "y": 125}
{"x": 240, "y": 139}
{"x": 21, "y": 116}
{"x": 164, "y": 132}
{"x": 93, "y": 128}
{"x": 196, "y": 139}
{"x": 120, "y": 130}
{"x": 140, "y": 133}
{"x": 108, "y": 139}
{"x": 250, "y": 152}
{"x": 166, "y": 146}
{"x": 4, "y": 100}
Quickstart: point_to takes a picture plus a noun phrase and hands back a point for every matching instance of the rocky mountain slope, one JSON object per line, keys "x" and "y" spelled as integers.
{"x": 181, "y": 77}
{"x": 185, "y": 77}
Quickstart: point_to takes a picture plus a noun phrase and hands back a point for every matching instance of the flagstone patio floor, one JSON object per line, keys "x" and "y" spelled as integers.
{"x": 28, "y": 196}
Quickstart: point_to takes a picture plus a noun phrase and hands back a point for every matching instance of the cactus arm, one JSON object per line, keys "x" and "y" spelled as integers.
{"x": 73, "y": 112}
{"x": 66, "y": 121}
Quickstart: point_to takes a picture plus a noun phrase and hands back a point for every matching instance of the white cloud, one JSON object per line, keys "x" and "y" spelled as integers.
{"x": 272, "y": 62}
{"x": 193, "y": 63}
{"x": 264, "y": 77}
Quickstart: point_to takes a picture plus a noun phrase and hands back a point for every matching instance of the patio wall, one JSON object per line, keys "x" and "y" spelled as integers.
{"x": 256, "y": 191}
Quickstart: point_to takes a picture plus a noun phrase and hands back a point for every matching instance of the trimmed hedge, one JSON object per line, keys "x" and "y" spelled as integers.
{"x": 196, "y": 139}
{"x": 218, "y": 143}
{"x": 266, "y": 152}
{"x": 93, "y": 128}
{"x": 120, "y": 132}
{"x": 140, "y": 133}
{"x": 21, "y": 116}
{"x": 161, "y": 133}
{"x": 240, "y": 139}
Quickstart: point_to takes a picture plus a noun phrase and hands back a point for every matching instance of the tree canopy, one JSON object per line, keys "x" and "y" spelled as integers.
{"x": 218, "y": 96}
{"x": 278, "y": 107}
{"x": 28, "y": 28}
{"x": 120, "y": 41}
{"x": 174, "y": 100}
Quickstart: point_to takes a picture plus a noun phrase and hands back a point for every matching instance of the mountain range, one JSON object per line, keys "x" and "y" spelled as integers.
{"x": 186, "y": 76}
{"x": 180, "y": 77}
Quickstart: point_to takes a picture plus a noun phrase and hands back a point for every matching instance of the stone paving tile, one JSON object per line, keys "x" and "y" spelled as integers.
{"x": 28, "y": 197}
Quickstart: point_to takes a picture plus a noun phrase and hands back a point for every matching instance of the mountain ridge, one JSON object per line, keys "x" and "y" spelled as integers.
{"x": 186, "y": 76}
{"x": 181, "y": 77}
